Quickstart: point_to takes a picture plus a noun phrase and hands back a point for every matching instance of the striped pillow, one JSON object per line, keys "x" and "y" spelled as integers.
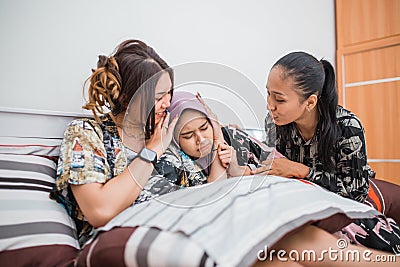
{"x": 49, "y": 147}
{"x": 34, "y": 230}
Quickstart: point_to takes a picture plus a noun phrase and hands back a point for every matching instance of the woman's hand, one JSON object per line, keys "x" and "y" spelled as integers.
{"x": 162, "y": 135}
{"x": 218, "y": 136}
{"x": 282, "y": 167}
{"x": 225, "y": 154}
{"x": 228, "y": 159}
{"x": 234, "y": 169}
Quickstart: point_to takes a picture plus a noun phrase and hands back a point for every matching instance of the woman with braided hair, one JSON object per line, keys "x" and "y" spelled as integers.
{"x": 95, "y": 165}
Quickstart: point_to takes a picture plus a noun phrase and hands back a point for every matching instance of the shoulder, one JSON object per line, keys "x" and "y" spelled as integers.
{"x": 233, "y": 132}
{"x": 346, "y": 118}
{"x": 86, "y": 125}
{"x": 170, "y": 157}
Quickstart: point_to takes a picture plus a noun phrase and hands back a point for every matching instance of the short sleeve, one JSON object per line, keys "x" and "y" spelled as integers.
{"x": 83, "y": 156}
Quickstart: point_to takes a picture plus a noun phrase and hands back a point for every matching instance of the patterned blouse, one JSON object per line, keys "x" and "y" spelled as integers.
{"x": 94, "y": 153}
{"x": 350, "y": 178}
{"x": 182, "y": 170}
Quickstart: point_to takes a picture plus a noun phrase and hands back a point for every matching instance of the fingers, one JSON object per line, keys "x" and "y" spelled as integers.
{"x": 211, "y": 114}
{"x": 267, "y": 162}
{"x": 224, "y": 151}
{"x": 171, "y": 126}
{"x": 158, "y": 127}
{"x": 223, "y": 146}
{"x": 164, "y": 122}
{"x": 218, "y": 135}
{"x": 169, "y": 130}
{"x": 225, "y": 162}
{"x": 263, "y": 169}
{"x": 225, "y": 154}
{"x": 198, "y": 96}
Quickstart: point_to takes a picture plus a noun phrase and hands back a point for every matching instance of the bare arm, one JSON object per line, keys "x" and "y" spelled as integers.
{"x": 100, "y": 202}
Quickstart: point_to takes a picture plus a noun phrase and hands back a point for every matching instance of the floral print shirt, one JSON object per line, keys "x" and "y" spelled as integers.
{"x": 350, "y": 178}
{"x": 92, "y": 152}
{"x": 180, "y": 169}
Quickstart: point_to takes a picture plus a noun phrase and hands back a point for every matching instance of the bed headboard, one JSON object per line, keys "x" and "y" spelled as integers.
{"x": 35, "y": 123}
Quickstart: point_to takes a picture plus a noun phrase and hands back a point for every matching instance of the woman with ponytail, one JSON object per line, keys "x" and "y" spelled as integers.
{"x": 323, "y": 142}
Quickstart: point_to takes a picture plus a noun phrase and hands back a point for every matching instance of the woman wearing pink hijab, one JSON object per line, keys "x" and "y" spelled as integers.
{"x": 202, "y": 150}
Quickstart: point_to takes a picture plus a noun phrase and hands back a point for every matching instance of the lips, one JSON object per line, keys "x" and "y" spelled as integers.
{"x": 161, "y": 113}
{"x": 274, "y": 117}
{"x": 205, "y": 146}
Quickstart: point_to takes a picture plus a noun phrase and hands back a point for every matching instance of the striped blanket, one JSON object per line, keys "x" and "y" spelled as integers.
{"x": 225, "y": 223}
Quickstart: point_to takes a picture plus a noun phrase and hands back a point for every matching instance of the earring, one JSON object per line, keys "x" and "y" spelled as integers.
{"x": 308, "y": 109}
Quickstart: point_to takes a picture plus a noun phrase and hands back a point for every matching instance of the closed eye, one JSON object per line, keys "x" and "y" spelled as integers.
{"x": 162, "y": 94}
{"x": 204, "y": 126}
{"x": 187, "y": 136}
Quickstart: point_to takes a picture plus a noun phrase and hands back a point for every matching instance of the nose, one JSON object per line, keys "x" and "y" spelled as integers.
{"x": 270, "y": 104}
{"x": 166, "y": 101}
{"x": 199, "y": 137}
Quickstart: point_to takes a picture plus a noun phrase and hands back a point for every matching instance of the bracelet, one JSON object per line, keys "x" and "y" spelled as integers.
{"x": 310, "y": 174}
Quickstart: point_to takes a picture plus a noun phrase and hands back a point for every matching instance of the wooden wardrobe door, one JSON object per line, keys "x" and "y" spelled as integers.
{"x": 368, "y": 71}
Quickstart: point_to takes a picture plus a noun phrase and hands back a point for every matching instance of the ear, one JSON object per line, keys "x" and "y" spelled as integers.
{"x": 311, "y": 102}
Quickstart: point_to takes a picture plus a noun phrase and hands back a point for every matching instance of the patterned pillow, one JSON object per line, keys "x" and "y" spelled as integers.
{"x": 34, "y": 230}
{"x": 48, "y": 147}
{"x": 384, "y": 197}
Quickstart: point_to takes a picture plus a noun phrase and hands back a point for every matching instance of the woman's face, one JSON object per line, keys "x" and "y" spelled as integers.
{"x": 195, "y": 134}
{"x": 162, "y": 96}
{"x": 283, "y": 102}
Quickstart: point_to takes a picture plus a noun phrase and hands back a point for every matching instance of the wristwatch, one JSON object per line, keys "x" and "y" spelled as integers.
{"x": 148, "y": 155}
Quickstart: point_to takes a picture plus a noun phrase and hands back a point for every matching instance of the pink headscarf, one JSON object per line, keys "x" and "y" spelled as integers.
{"x": 180, "y": 102}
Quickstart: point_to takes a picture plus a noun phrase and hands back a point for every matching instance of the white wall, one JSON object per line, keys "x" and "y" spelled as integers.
{"x": 48, "y": 47}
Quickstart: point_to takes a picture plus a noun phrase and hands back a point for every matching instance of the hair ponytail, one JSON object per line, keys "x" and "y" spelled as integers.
{"x": 311, "y": 76}
{"x": 327, "y": 106}
{"x": 105, "y": 86}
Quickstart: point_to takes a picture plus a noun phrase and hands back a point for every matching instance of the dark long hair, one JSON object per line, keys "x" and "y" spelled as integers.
{"x": 311, "y": 76}
{"x": 118, "y": 77}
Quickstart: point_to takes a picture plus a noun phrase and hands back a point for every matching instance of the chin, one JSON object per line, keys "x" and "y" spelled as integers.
{"x": 193, "y": 155}
{"x": 205, "y": 153}
{"x": 280, "y": 122}
{"x": 209, "y": 151}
